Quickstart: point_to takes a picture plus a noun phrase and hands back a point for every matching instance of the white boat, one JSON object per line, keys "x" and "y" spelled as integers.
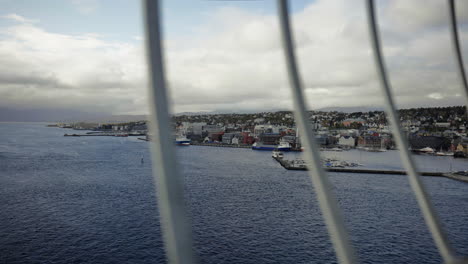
{"x": 443, "y": 153}
{"x": 277, "y": 154}
{"x": 427, "y": 150}
{"x": 440, "y": 153}
{"x": 375, "y": 150}
{"x": 182, "y": 141}
{"x": 336, "y": 149}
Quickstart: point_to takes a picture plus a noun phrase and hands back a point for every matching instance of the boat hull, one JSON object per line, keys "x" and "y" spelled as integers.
{"x": 271, "y": 148}
{"x": 182, "y": 143}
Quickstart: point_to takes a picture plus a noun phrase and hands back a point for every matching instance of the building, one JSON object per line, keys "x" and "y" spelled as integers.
{"x": 442, "y": 124}
{"x": 315, "y": 126}
{"x": 247, "y": 138}
{"x": 347, "y": 141}
{"x": 263, "y": 129}
{"x": 227, "y": 138}
{"x": 434, "y": 142}
{"x": 259, "y": 120}
{"x": 216, "y": 137}
{"x": 235, "y": 140}
{"x": 322, "y": 139}
{"x": 270, "y": 138}
{"x": 460, "y": 146}
{"x": 197, "y": 128}
{"x": 213, "y": 129}
{"x": 371, "y": 141}
{"x": 349, "y": 121}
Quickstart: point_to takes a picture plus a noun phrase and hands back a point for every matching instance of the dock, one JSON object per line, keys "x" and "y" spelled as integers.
{"x": 223, "y": 145}
{"x": 217, "y": 145}
{"x": 101, "y": 135}
{"x": 287, "y": 164}
{"x": 220, "y": 145}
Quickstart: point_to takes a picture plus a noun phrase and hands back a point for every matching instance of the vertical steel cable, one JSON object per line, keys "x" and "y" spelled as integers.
{"x": 323, "y": 188}
{"x": 457, "y": 49}
{"x": 415, "y": 180}
{"x": 174, "y": 222}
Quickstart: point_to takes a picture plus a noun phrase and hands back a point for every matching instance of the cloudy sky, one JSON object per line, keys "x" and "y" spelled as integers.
{"x": 223, "y": 56}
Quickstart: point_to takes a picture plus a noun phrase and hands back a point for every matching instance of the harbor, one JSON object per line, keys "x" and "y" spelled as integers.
{"x": 102, "y": 182}
{"x": 288, "y": 143}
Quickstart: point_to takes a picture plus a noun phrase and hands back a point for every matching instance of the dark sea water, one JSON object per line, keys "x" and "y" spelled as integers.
{"x": 90, "y": 200}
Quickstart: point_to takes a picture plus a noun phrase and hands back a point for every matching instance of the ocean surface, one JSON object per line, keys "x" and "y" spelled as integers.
{"x": 91, "y": 200}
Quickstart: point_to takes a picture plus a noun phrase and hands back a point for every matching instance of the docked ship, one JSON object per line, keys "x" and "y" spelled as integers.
{"x": 282, "y": 146}
{"x": 182, "y": 141}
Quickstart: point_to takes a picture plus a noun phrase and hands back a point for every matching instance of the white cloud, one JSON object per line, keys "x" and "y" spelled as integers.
{"x": 236, "y": 62}
{"x": 86, "y": 7}
{"x": 418, "y": 15}
{"x": 19, "y": 18}
{"x": 436, "y": 96}
{"x": 43, "y": 69}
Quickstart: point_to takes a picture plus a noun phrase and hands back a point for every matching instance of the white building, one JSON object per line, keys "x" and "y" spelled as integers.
{"x": 197, "y": 128}
{"x": 260, "y": 129}
{"x": 442, "y": 124}
{"x": 259, "y": 120}
{"x": 347, "y": 141}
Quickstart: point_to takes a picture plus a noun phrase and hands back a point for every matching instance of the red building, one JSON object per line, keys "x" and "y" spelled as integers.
{"x": 216, "y": 136}
{"x": 247, "y": 138}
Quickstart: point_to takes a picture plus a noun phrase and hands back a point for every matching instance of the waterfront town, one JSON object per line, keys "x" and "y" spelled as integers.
{"x": 439, "y": 131}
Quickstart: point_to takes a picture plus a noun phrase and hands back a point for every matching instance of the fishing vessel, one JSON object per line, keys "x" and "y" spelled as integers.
{"x": 182, "y": 141}
{"x": 282, "y": 146}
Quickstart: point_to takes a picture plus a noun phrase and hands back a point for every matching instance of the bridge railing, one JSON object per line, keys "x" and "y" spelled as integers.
{"x": 175, "y": 225}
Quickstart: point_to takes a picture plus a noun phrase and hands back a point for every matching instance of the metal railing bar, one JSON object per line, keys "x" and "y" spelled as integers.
{"x": 323, "y": 188}
{"x": 175, "y": 226}
{"x": 422, "y": 198}
{"x": 457, "y": 49}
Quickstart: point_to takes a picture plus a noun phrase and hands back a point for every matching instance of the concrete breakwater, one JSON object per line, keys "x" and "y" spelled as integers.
{"x": 290, "y": 165}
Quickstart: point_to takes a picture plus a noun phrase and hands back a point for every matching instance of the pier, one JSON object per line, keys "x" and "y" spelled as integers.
{"x": 287, "y": 164}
